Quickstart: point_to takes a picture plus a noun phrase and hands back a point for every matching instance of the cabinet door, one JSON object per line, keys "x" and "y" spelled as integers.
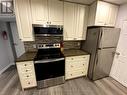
{"x": 23, "y": 18}
{"x": 55, "y": 12}
{"x": 81, "y": 22}
{"x": 39, "y": 11}
{"x": 112, "y": 14}
{"x": 69, "y": 21}
{"x": 101, "y": 13}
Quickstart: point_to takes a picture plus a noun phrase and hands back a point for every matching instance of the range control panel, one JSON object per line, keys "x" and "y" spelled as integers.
{"x": 43, "y": 46}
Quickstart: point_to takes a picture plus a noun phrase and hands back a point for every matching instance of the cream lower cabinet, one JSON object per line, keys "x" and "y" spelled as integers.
{"x": 26, "y": 74}
{"x": 23, "y": 19}
{"x": 102, "y": 14}
{"x": 75, "y": 21}
{"x": 76, "y": 66}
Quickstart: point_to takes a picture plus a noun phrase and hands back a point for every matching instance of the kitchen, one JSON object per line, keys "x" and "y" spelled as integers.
{"x": 73, "y": 42}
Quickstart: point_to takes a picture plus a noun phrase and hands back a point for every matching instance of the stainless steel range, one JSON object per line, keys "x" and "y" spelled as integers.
{"x": 49, "y": 65}
{"x": 49, "y": 61}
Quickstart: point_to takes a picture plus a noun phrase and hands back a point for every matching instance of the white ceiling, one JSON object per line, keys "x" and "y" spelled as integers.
{"x": 82, "y": 1}
{"x": 90, "y": 1}
{"x": 117, "y": 1}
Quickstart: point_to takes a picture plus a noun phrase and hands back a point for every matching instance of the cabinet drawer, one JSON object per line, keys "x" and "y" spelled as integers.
{"x": 79, "y": 73}
{"x": 77, "y": 58}
{"x": 24, "y": 64}
{"x": 76, "y": 66}
{"x": 28, "y": 83}
{"x": 27, "y": 76}
{"x": 25, "y": 67}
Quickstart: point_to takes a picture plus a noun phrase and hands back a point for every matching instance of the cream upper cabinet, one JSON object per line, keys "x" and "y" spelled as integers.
{"x": 39, "y": 11}
{"x": 102, "y": 14}
{"x": 112, "y": 15}
{"x": 23, "y": 19}
{"x": 75, "y": 21}
{"x": 55, "y": 12}
{"x": 47, "y": 12}
{"x": 81, "y": 23}
{"x": 69, "y": 21}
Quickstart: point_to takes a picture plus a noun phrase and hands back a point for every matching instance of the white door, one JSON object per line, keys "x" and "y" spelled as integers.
{"x": 119, "y": 68}
{"x": 19, "y": 46}
{"x": 39, "y": 10}
{"x": 55, "y": 12}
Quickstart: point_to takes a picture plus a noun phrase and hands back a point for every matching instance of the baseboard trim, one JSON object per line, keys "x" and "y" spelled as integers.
{"x": 5, "y": 68}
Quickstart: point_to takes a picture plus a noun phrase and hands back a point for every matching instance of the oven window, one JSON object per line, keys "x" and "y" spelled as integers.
{"x": 49, "y": 70}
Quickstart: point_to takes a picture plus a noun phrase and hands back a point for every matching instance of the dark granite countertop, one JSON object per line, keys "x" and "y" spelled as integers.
{"x": 27, "y": 56}
{"x": 74, "y": 52}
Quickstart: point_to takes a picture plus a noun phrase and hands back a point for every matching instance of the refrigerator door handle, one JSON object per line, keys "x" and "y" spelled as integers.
{"x": 117, "y": 53}
{"x": 96, "y": 59}
{"x": 100, "y": 38}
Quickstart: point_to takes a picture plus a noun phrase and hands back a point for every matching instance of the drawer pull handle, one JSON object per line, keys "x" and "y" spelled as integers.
{"x": 26, "y": 70}
{"x": 28, "y": 82}
{"x": 71, "y": 74}
{"x": 25, "y": 65}
{"x": 83, "y": 64}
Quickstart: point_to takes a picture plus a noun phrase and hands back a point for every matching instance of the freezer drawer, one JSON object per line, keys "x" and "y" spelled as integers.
{"x": 103, "y": 63}
{"x": 109, "y": 37}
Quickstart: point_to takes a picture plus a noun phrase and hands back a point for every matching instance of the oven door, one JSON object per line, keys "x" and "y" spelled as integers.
{"x": 51, "y": 68}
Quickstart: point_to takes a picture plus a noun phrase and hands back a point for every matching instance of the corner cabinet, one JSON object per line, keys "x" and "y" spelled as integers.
{"x": 75, "y": 21}
{"x": 76, "y": 66}
{"x": 102, "y": 14}
{"x": 26, "y": 74}
{"x": 47, "y": 12}
{"x": 23, "y": 19}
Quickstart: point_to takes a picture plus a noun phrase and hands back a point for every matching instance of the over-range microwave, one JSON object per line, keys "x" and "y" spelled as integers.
{"x": 48, "y": 30}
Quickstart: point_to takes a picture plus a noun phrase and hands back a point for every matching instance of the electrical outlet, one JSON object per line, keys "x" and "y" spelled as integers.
{"x": 34, "y": 46}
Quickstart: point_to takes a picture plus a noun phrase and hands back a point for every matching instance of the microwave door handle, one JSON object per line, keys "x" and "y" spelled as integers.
{"x": 47, "y": 61}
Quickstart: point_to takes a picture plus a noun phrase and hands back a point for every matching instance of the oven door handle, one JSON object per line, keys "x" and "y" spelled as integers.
{"x": 49, "y": 60}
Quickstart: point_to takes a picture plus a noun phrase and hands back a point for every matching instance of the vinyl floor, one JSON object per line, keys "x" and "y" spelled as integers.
{"x": 10, "y": 85}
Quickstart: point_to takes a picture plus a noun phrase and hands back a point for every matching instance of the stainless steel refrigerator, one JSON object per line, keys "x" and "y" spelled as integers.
{"x": 101, "y": 43}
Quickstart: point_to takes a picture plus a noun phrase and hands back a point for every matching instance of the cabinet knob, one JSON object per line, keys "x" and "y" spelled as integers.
{"x": 71, "y": 74}
{"x": 83, "y": 64}
{"x": 82, "y": 72}
{"x": 72, "y": 58}
{"x": 71, "y": 66}
{"x": 75, "y": 38}
{"x": 25, "y": 65}
{"x": 26, "y": 70}
{"x": 27, "y": 76}
{"x": 28, "y": 82}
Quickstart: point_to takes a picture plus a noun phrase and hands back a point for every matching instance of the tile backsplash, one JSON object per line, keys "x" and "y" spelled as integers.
{"x": 72, "y": 44}
{"x": 31, "y": 46}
